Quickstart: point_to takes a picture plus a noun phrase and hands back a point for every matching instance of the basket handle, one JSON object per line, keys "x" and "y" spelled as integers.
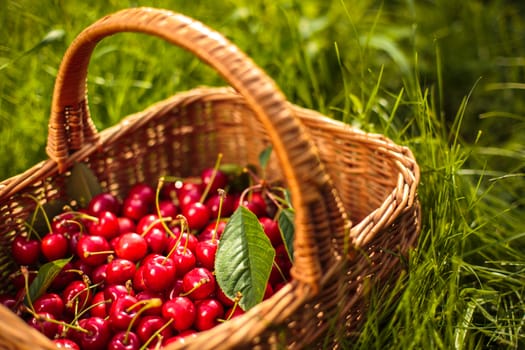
{"x": 320, "y": 219}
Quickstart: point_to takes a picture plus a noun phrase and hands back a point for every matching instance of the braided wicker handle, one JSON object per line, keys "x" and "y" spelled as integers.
{"x": 320, "y": 220}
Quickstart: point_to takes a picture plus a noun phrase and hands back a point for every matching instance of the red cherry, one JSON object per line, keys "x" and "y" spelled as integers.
{"x": 189, "y": 194}
{"x": 115, "y": 291}
{"x": 124, "y": 340}
{"x": 147, "y": 222}
{"x": 118, "y": 271}
{"x": 272, "y": 231}
{"x": 223, "y": 298}
{"x": 213, "y": 204}
{"x": 54, "y": 246}
{"x": 159, "y": 273}
{"x": 208, "y": 314}
{"x": 99, "y": 305}
{"x": 184, "y": 240}
{"x": 181, "y": 310}
{"x": 64, "y": 343}
{"x": 198, "y": 283}
{"x": 197, "y": 215}
{"x": 212, "y": 229}
{"x": 205, "y": 252}
{"x": 144, "y": 192}
{"x": 184, "y": 260}
{"x": 138, "y": 279}
{"x": 156, "y": 240}
{"x": 181, "y": 338}
{"x": 97, "y": 336}
{"x": 168, "y": 209}
{"x": 126, "y": 225}
{"x": 65, "y": 223}
{"x": 76, "y": 296}
{"x": 135, "y": 208}
{"x": 93, "y": 250}
{"x": 43, "y": 325}
{"x": 98, "y": 275}
{"x": 256, "y": 204}
{"x": 50, "y": 303}
{"x": 25, "y": 251}
{"x": 148, "y": 295}
{"x": 131, "y": 246}
{"x": 122, "y": 311}
{"x": 103, "y": 202}
{"x": 217, "y": 178}
{"x": 148, "y": 325}
{"x": 233, "y": 312}
{"x": 107, "y": 225}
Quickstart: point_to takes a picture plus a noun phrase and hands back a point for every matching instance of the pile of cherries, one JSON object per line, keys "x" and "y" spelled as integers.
{"x": 141, "y": 268}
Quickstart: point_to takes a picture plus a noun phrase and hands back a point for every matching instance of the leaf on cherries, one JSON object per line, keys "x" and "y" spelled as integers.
{"x": 286, "y": 226}
{"x": 45, "y": 276}
{"x": 82, "y": 184}
{"x": 244, "y": 258}
{"x": 264, "y": 157}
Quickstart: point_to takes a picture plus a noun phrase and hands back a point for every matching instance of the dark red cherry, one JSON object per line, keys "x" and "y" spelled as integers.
{"x": 43, "y": 322}
{"x": 197, "y": 215}
{"x": 107, "y": 225}
{"x": 217, "y": 178}
{"x": 25, "y": 251}
{"x": 131, "y": 246}
{"x": 126, "y": 225}
{"x": 50, "y": 303}
{"x": 144, "y": 192}
{"x": 208, "y": 313}
{"x": 148, "y": 325}
{"x": 213, "y": 204}
{"x": 103, "y": 202}
{"x": 97, "y": 335}
{"x": 272, "y": 231}
{"x": 76, "y": 296}
{"x": 122, "y": 311}
{"x": 124, "y": 340}
{"x": 54, "y": 246}
{"x": 198, "y": 283}
{"x": 119, "y": 271}
{"x": 181, "y": 310}
{"x": 64, "y": 343}
{"x": 93, "y": 250}
{"x": 159, "y": 273}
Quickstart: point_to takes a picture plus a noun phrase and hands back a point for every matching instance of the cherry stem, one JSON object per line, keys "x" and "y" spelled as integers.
{"x": 25, "y": 273}
{"x": 160, "y": 183}
{"x": 162, "y": 221}
{"x": 147, "y": 304}
{"x": 236, "y": 301}
{"x": 157, "y": 333}
{"x": 40, "y": 207}
{"x": 81, "y": 313}
{"x": 58, "y": 322}
{"x": 213, "y": 175}
{"x": 222, "y": 195}
{"x": 249, "y": 190}
{"x": 196, "y": 286}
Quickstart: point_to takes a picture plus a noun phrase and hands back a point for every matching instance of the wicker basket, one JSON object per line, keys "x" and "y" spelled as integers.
{"x": 337, "y": 175}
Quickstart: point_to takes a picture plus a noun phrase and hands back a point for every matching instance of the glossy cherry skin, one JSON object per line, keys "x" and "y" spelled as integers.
{"x": 98, "y": 275}
{"x": 159, "y": 273}
{"x": 99, "y": 305}
{"x": 126, "y": 225}
{"x": 115, "y": 291}
{"x": 40, "y": 323}
{"x": 107, "y": 225}
{"x": 213, "y": 204}
{"x": 25, "y": 251}
{"x": 184, "y": 260}
{"x": 124, "y": 340}
{"x": 217, "y": 178}
{"x": 93, "y": 250}
{"x": 54, "y": 246}
{"x": 183, "y": 240}
{"x": 208, "y": 313}
{"x": 147, "y": 222}
{"x": 76, "y": 297}
{"x": 223, "y": 298}
{"x": 148, "y": 325}
{"x": 97, "y": 336}
{"x": 148, "y": 295}
{"x": 197, "y": 215}
{"x": 131, "y": 246}
{"x": 181, "y": 338}
{"x": 168, "y": 209}
{"x": 64, "y": 343}
{"x": 199, "y": 283}
{"x": 205, "y": 253}
{"x": 103, "y": 202}
{"x": 156, "y": 240}
{"x": 213, "y": 230}
{"x": 65, "y": 223}
{"x": 118, "y": 271}
{"x": 272, "y": 231}
{"x": 50, "y": 303}
{"x": 135, "y": 208}
{"x": 181, "y": 310}
{"x": 122, "y": 312}
{"x": 233, "y": 312}
{"x": 144, "y": 192}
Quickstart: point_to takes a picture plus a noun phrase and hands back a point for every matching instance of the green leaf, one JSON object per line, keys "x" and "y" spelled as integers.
{"x": 264, "y": 157}
{"x": 286, "y": 226}
{"x": 45, "y": 276}
{"x": 244, "y": 259}
{"x": 82, "y": 185}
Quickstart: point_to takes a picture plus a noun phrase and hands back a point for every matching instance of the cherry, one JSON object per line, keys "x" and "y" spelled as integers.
{"x": 148, "y": 295}
{"x": 126, "y": 225}
{"x": 212, "y": 229}
{"x": 50, "y": 303}
{"x": 256, "y": 204}
{"x": 181, "y": 310}
{"x": 64, "y": 277}
{"x": 213, "y": 203}
{"x": 115, "y": 291}
{"x": 107, "y": 225}
{"x": 76, "y": 296}
{"x": 167, "y": 208}
{"x": 131, "y": 246}
{"x": 43, "y": 322}
{"x": 118, "y": 271}
{"x": 147, "y": 222}
{"x": 271, "y": 229}
{"x": 176, "y": 289}
{"x": 159, "y": 273}
{"x": 184, "y": 260}
{"x": 54, "y": 246}
{"x": 135, "y": 208}
{"x": 98, "y": 275}
{"x": 182, "y": 239}
{"x": 96, "y": 334}
{"x": 208, "y": 313}
{"x": 8, "y": 301}
{"x": 144, "y": 192}
{"x": 65, "y": 223}
{"x": 18, "y": 279}
{"x": 181, "y": 337}
{"x": 98, "y": 305}
{"x": 148, "y": 325}
{"x": 205, "y": 252}
{"x": 103, "y": 202}
{"x": 224, "y": 299}
{"x": 124, "y": 340}
{"x": 93, "y": 250}
{"x": 122, "y": 311}
{"x": 198, "y": 283}
{"x": 188, "y": 194}
{"x": 156, "y": 240}
{"x": 26, "y": 251}
{"x": 213, "y": 179}
{"x": 197, "y": 215}
{"x": 233, "y": 312}
{"x": 64, "y": 343}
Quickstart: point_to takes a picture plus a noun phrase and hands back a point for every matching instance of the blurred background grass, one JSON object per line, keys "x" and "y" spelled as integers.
{"x": 444, "y": 77}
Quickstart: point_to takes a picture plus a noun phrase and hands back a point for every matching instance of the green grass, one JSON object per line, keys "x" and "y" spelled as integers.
{"x": 444, "y": 77}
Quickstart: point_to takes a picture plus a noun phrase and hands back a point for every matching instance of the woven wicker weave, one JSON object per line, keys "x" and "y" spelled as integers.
{"x": 337, "y": 175}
